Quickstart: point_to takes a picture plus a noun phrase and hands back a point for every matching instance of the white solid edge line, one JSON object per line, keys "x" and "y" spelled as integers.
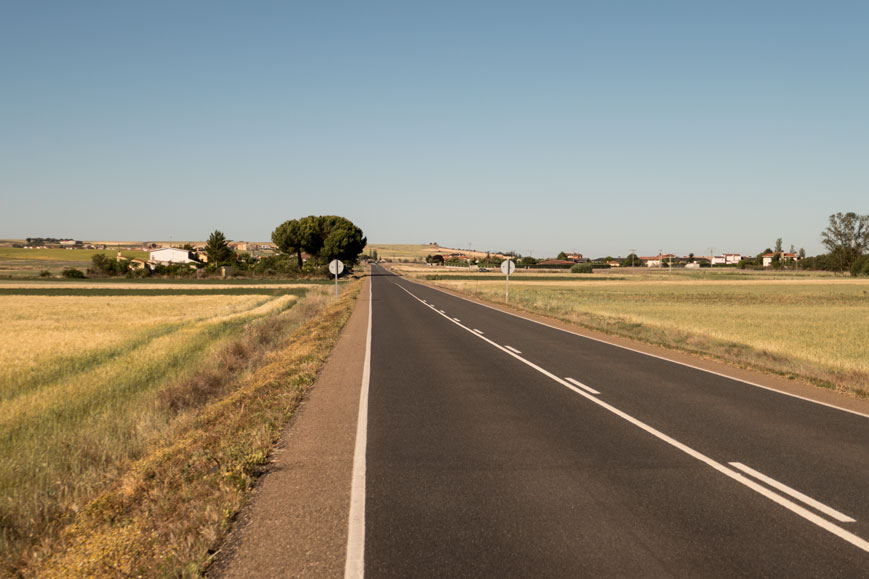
{"x": 602, "y": 341}
{"x": 512, "y": 349}
{"x": 817, "y": 505}
{"x": 576, "y": 382}
{"x": 354, "y": 567}
{"x": 858, "y": 542}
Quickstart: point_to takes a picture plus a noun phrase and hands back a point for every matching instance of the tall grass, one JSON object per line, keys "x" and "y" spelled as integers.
{"x": 72, "y": 423}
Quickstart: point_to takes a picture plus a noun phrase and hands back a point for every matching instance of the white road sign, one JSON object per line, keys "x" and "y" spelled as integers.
{"x": 508, "y": 267}
{"x": 336, "y": 266}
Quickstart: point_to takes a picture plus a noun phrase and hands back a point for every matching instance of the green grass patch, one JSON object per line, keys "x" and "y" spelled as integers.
{"x": 18, "y": 253}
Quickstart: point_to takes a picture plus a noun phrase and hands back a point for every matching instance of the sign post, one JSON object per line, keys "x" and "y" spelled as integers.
{"x": 507, "y": 267}
{"x": 336, "y": 266}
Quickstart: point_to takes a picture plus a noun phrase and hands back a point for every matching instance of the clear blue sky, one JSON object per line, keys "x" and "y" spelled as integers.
{"x": 533, "y": 126}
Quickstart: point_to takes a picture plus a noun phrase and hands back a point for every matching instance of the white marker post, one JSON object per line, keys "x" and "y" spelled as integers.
{"x": 336, "y": 266}
{"x": 507, "y": 267}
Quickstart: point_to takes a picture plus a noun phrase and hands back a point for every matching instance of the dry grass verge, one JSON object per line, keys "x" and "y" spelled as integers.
{"x": 166, "y": 513}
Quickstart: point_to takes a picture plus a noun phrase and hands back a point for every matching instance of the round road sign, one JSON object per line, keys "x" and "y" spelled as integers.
{"x": 508, "y": 267}
{"x": 336, "y": 266}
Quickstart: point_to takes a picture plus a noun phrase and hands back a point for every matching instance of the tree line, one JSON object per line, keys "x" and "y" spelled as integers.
{"x": 323, "y": 238}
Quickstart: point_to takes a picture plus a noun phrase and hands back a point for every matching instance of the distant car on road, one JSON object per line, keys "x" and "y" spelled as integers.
{"x": 482, "y": 269}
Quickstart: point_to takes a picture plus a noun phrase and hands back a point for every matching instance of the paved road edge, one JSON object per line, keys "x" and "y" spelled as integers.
{"x": 295, "y": 524}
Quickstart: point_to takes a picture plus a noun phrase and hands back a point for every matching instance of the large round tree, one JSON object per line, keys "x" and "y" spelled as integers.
{"x": 324, "y": 238}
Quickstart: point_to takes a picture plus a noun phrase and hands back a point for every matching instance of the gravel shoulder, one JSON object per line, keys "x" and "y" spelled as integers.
{"x": 295, "y": 525}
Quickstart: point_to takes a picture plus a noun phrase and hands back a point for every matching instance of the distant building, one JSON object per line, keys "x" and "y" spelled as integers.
{"x": 172, "y": 255}
{"x": 783, "y": 257}
{"x": 726, "y": 259}
{"x": 658, "y": 260}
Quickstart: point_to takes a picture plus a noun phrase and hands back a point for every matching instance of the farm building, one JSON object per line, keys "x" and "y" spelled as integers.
{"x": 172, "y": 255}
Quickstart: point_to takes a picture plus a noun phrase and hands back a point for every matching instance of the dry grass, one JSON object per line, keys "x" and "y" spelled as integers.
{"x": 169, "y": 511}
{"x": 396, "y": 252}
{"x": 815, "y": 329}
{"x": 71, "y": 430}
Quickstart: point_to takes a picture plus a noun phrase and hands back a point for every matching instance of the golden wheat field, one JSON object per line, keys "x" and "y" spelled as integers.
{"x": 37, "y": 329}
{"x": 89, "y": 382}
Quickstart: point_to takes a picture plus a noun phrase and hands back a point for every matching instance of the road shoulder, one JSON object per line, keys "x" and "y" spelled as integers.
{"x": 295, "y": 524}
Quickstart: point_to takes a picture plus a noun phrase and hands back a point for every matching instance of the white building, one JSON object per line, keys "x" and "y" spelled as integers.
{"x": 726, "y": 259}
{"x": 783, "y": 257}
{"x": 171, "y": 255}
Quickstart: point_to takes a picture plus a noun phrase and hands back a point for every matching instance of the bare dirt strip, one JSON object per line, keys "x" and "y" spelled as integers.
{"x": 296, "y": 523}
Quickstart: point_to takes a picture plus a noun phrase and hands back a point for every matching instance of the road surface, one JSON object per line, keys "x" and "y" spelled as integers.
{"x": 500, "y": 447}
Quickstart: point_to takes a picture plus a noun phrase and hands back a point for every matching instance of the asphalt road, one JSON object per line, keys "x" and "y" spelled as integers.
{"x": 499, "y": 447}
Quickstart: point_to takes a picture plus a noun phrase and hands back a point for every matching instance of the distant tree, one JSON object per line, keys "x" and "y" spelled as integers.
{"x": 72, "y": 273}
{"x": 528, "y": 260}
{"x": 341, "y": 239}
{"x": 691, "y": 257}
{"x": 562, "y": 255}
{"x": 778, "y": 248}
{"x": 846, "y": 238}
{"x": 860, "y": 266}
{"x": 325, "y": 238}
{"x": 289, "y": 238}
{"x": 631, "y": 260}
{"x": 218, "y": 250}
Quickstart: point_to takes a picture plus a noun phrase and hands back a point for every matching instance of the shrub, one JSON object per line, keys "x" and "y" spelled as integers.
{"x": 582, "y": 268}
{"x": 72, "y": 273}
{"x": 102, "y": 265}
{"x": 860, "y": 266}
{"x": 44, "y": 273}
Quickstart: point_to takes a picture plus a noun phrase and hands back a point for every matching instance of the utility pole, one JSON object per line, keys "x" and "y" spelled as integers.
{"x": 633, "y": 254}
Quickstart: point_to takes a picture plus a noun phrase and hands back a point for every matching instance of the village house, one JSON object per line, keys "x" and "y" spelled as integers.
{"x": 783, "y": 257}
{"x": 659, "y": 260}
